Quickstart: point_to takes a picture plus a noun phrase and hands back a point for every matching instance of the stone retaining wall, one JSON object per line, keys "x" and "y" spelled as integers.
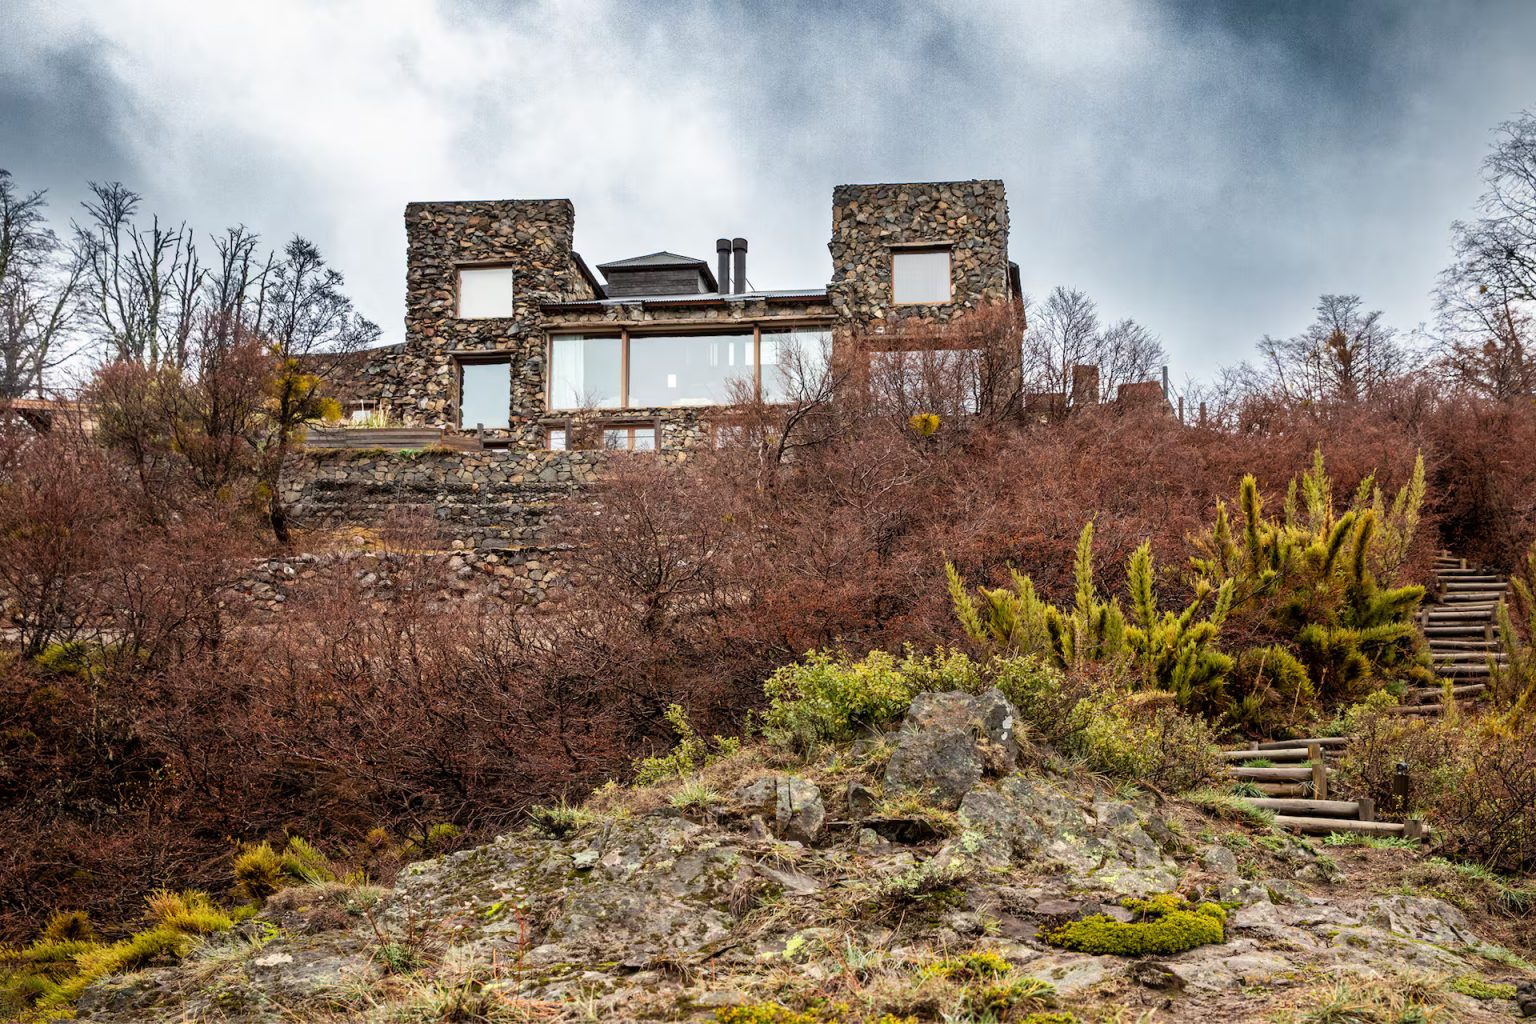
{"x": 496, "y": 499}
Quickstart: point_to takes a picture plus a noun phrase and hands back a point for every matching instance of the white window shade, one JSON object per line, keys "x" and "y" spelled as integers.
{"x": 485, "y": 292}
{"x": 920, "y": 276}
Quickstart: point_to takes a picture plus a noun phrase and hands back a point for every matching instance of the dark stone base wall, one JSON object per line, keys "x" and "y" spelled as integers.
{"x": 497, "y": 499}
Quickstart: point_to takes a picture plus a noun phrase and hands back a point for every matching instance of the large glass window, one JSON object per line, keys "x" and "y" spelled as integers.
{"x": 485, "y": 395}
{"x": 794, "y": 361}
{"x": 586, "y": 372}
{"x": 688, "y": 369}
{"x": 485, "y": 292}
{"x": 920, "y": 276}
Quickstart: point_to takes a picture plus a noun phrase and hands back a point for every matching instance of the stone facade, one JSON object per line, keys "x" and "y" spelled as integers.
{"x": 495, "y": 499}
{"x": 533, "y": 237}
{"x": 969, "y": 219}
{"x": 416, "y": 384}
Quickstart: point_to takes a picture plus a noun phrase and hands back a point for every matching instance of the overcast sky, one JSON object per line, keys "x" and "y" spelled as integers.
{"x": 1207, "y": 167}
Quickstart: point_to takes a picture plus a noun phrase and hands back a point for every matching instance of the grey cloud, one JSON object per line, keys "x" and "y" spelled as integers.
{"x": 1206, "y": 166}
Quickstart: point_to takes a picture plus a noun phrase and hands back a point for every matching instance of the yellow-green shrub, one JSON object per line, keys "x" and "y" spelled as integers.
{"x": 773, "y": 1013}
{"x": 260, "y": 870}
{"x": 971, "y": 965}
{"x": 1144, "y": 737}
{"x": 189, "y": 912}
{"x": 691, "y": 753}
{"x": 1164, "y": 924}
{"x": 828, "y": 697}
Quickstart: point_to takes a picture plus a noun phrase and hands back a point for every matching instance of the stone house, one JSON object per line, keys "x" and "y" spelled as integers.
{"x": 514, "y": 342}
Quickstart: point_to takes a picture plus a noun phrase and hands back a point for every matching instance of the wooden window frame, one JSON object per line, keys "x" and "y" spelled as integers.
{"x": 671, "y": 330}
{"x": 481, "y": 357}
{"x": 459, "y": 268}
{"x": 892, "y": 251}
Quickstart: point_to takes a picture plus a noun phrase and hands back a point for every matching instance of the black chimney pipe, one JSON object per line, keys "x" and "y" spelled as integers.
{"x": 739, "y": 278}
{"x": 723, "y": 264}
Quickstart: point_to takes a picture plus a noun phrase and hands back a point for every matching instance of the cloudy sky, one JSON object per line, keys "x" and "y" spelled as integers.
{"x": 1206, "y": 166}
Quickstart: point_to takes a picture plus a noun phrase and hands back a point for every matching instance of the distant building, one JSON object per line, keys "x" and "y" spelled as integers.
{"x": 513, "y": 340}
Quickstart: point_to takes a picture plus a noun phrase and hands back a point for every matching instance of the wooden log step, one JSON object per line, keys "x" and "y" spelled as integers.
{"x": 1411, "y": 829}
{"x": 1324, "y": 741}
{"x": 1469, "y": 670}
{"x": 1271, "y": 754}
{"x": 1435, "y": 692}
{"x": 1301, "y": 789}
{"x": 1475, "y": 586}
{"x": 1471, "y": 611}
{"x": 1301, "y": 774}
{"x": 1472, "y": 575}
{"x": 1449, "y": 644}
{"x": 1433, "y": 708}
{"x": 1452, "y": 629}
{"x": 1307, "y": 808}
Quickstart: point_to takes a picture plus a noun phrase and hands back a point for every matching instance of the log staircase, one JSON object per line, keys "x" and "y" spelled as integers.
{"x": 1461, "y": 626}
{"x": 1459, "y": 621}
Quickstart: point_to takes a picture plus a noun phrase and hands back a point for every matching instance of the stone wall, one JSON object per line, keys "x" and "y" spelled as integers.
{"x": 868, "y": 221}
{"x": 496, "y": 499}
{"x": 534, "y": 238}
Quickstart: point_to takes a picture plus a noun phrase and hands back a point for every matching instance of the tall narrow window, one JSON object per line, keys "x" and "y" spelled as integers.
{"x": 485, "y": 395}
{"x": 585, "y": 372}
{"x": 920, "y": 276}
{"x": 485, "y": 292}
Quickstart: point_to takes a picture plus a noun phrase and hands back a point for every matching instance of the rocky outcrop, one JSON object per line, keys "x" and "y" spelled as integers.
{"x": 658, "y": 914}
{"x": 948, "y": 741}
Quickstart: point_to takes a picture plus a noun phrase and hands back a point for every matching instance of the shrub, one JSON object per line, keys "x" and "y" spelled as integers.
{"x": 1475, "y": 778}
{"x": 690, "y": 755}
{"x": 189, "y": 912}
{"x": 1164, "y": 924}
{"x": 997, "y": 1000}
{"x": 971, "y": 965}
{"x": 68, "y": 926}
{"x": 830, "y": 698}
{"x": 773, "y": 1013}
{"x": 560, "y": 819}
{"x": 1144, "y": 737}
{"x": 258, "y": 872}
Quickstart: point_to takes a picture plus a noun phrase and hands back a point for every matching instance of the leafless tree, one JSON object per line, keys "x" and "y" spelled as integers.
{"x": 1065, "y": 331}
{"x": 1347, "y": 354}
{"x": 309, "y": 328}
{"x": 1487, "y": 296}
{"x": 141, "y": 285}
{"x": 36, "y": 288}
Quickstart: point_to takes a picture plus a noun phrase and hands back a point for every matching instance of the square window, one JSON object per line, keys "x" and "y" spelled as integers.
{"x": 485, "y": 395}
{"x": 920, "y": 276}
{"x": 584, "y": 372}
{"x": 795, "y": 361}
{"x": 485, "y": 292}
{"x": 556, "y": 440}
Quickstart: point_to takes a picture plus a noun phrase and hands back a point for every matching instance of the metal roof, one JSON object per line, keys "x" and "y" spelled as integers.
{"x": 704, "y": 298}
{"x": 655, "y": 259}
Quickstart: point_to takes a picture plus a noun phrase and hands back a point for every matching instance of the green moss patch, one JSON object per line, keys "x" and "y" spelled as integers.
{"x": 1164, "y": 924}
{"x": 1477, "y": 988}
